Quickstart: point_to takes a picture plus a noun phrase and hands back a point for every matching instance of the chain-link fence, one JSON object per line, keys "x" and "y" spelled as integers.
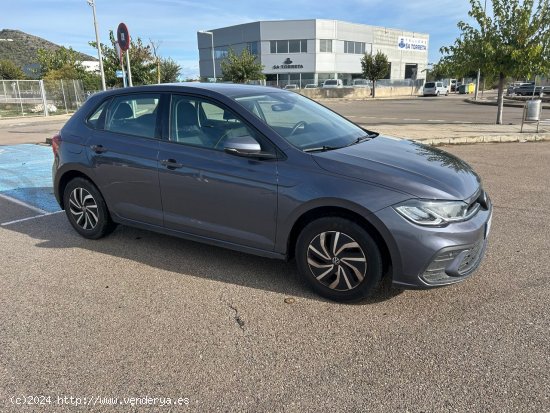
{"x": 40, "y": 97}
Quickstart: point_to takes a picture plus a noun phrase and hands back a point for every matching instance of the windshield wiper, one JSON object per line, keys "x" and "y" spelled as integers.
{"x": 323, "y": 148}
{"x": 363, "y": 139}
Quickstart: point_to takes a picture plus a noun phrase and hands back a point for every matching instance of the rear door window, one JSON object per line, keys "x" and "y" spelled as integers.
{"x": 97, "y": 118}
{"x": 134, "y": 115}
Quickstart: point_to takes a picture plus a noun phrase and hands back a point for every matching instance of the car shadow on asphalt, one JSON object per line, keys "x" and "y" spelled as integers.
{"x": 183, "y": 257}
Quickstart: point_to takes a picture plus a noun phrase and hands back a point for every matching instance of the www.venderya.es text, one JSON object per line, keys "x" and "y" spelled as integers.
{"x": 143, "y": 401}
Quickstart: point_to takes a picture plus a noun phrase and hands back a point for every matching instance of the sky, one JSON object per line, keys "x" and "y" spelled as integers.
{"x": 174, "y": 23}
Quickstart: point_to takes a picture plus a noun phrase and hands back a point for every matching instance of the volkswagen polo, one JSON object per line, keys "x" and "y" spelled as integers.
{"x": 269, "y": 172}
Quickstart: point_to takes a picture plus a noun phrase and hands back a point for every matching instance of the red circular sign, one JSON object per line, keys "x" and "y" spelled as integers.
{"x": 123, "y": 37}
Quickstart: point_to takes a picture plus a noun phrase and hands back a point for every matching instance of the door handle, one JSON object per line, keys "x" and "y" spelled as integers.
{"x": 171, "y": 164}
{"x": 98, "y": 148}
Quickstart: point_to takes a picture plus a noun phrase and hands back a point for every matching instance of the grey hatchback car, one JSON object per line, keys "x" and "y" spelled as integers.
{"x": 272, "y": 173}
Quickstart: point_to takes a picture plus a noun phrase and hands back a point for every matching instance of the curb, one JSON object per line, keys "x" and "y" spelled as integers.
{"x": 506, "y": 103}
{"x": 468, "y": 140}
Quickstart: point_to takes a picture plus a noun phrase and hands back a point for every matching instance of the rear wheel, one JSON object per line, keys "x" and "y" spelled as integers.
{"x": 339, "y": 259}
{"x": 86, "y": 209}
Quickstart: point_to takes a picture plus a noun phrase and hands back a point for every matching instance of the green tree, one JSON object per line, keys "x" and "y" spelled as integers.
{"x": 375, "y": 67}
{"x": 9, "y": 70}
{"x": 61, "y": 58}
{"x": 513, "y": 41}
{"x": 241, "y": 68}
{"x": 169, "y": 70}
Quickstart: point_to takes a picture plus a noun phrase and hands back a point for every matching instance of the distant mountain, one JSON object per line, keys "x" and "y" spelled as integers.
{"x": 21, "y": 48}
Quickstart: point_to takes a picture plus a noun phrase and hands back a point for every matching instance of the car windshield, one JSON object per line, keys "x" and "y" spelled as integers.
{"x": 330, "y": 82}
{"x": 429, "y": 84}
{"x": 302, "y": 122}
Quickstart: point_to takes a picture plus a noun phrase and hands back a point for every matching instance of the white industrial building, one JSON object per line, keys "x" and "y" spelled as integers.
{"x": 311, "y": 51}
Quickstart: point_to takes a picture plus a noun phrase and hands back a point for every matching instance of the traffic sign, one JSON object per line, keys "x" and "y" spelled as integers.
{"x": 123, "y": 37}
{"x": 119, "y": 74}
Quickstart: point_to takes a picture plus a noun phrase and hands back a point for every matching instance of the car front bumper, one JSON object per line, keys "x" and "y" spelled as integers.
{"x": 427, "y": 257}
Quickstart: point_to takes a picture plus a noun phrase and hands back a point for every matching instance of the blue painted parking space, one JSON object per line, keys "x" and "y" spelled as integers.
{"x": 26, "y": 175}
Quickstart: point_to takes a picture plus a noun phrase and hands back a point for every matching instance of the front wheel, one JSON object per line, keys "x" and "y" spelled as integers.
{"x": 86, "y": 209}
{"x": 338, "y": 259}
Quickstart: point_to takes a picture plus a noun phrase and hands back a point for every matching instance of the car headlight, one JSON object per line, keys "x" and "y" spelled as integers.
{"x": 435, "y": 213}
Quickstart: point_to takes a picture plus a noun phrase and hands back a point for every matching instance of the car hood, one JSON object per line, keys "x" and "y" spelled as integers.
{"x": 406, "y": 166}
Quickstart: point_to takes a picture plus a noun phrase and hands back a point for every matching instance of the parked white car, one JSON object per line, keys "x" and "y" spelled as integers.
{"x": 311, "y": 86}
{"x": 291, "y": 86}
{"x": 333, "y": 84}
{"x": 435, "y": 89}
{"x": 360, "y": 83}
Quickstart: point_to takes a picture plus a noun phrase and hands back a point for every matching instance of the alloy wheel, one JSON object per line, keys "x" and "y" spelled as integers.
{"x": 83, "y": 208}
{"x": 336, "y": 260}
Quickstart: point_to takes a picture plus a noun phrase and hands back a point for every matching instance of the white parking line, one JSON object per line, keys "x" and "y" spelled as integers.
{"x": 18, "y": 202}
{"x": 29, "y": 218}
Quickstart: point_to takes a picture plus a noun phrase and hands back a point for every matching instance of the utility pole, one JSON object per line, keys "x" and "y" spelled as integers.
{"x": 100, "y": 57}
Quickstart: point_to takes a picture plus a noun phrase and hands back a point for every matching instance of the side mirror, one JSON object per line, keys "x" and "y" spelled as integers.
{"x": 246, "y": 146}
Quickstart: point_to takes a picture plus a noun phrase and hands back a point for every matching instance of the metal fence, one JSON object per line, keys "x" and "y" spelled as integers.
{"x": 413, "y": 84}
{"x": 40, "y": 97}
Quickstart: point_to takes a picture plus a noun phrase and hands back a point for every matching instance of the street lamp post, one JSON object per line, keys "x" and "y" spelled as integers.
{"x": 92, "y": 4}
{"x": 213, "y": 61}
{"x": 479, "y": 70}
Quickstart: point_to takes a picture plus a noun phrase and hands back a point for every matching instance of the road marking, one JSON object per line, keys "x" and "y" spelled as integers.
{"x": 18, "y": 202}
{"x": 412, "y": 119}
{"x": 435, "y": 120}
{"x": 29, "y": 218}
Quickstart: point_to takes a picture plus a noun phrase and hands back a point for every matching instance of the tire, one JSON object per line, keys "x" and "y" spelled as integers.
{"x": 332, "y": 270}
{"x": 86, "y": 209}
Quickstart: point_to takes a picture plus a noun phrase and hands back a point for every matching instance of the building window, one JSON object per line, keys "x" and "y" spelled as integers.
{"x": 354, "y": 47}
{"x": 288, "y": 46}
{"x": 294, "y": 46}
{"x": 282, "y": 46}
{"x": 221, "y": 52}
{"x": 411, "y": 71}
{"x": 325, "y": 46}
{"x": 388, "y": 74}
{"x": 252, "y": 48}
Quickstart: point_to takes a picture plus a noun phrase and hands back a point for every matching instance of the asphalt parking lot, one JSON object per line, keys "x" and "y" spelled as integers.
{"x": 144, "y": 315}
